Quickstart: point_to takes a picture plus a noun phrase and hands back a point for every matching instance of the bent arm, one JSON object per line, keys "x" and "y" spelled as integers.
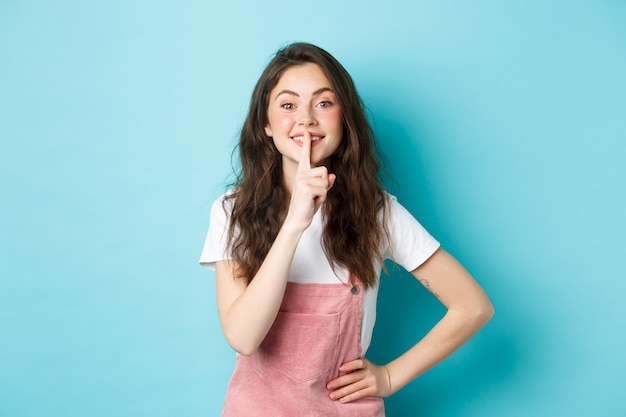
{"x": 246, "y": 312}
{"x": 469, "y": 309}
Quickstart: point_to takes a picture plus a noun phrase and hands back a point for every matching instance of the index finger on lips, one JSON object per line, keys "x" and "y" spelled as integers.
{"x": 305, "y": 156}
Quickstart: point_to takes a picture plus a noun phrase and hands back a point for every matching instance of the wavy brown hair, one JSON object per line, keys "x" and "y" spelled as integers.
{"x": 352, "y": 226}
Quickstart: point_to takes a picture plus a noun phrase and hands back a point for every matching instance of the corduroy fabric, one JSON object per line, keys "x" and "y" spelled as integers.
{"x": 317, "y": 329}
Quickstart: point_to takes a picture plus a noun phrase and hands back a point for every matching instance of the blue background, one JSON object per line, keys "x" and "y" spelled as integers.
{"x": 503, "y": 123}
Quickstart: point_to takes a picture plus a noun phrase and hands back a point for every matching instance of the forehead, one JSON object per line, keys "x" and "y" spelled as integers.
{"x": 302, "y": 79}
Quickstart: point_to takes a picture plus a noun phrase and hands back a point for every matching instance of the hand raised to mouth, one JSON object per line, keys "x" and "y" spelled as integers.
{"x": 310, "y": 187}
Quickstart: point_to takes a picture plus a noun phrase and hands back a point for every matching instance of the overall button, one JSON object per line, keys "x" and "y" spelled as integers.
{"x": 354, "y": 290}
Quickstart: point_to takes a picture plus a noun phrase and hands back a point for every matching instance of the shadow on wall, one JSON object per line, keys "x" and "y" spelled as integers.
{"x": 406, "y": 311}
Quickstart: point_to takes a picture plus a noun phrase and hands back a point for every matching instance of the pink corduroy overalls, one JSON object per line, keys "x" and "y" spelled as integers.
{"x": 318, "y": 328}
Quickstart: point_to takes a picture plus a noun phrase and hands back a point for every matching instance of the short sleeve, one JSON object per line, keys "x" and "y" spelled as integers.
{"x": 215, "y": 244}
{"x": 410, "y": 244}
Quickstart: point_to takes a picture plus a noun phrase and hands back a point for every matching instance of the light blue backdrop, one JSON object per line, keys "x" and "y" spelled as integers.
{"x": 504, "y": 125}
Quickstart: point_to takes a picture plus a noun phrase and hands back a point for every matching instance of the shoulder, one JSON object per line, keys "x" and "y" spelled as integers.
{"x": 224, "y": 202}
{"x": 397, "y": 215}
{"x": 409, "y": 243}
{"x": 221, "y": 210}
{"x": 392, "y": 207}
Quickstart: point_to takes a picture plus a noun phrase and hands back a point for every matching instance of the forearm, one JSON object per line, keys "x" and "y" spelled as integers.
{"x": 249, "y": 317}
{"x": 454, "y": 329}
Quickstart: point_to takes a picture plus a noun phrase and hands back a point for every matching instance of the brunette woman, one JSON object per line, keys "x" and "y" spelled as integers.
{"x": 298, "y": 246}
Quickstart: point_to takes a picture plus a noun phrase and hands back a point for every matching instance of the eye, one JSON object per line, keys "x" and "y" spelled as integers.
{"x": 325, "y": 103}
{"x": 288, "y": 106}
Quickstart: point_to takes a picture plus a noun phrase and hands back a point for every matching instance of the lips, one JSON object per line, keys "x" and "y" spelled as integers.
{"x": 313, "y": 138}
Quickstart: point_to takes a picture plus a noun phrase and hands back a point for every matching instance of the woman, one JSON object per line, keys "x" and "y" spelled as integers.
{"x": 298, "y": 247}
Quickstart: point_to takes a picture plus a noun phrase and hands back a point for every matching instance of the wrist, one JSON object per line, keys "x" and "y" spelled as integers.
{"x": 388, "y": 375}
{"x": 398, "y": 378}
{"x": 291, "y": 230}
{"x": 293, "y": 226}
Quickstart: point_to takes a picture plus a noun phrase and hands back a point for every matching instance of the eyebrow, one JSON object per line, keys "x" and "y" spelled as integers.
{"x": 315, "y": 93}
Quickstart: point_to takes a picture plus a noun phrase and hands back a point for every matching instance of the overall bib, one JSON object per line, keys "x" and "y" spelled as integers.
{"x": 318, "y": 328}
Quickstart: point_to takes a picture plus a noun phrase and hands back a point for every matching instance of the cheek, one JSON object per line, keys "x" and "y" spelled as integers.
{"x": 333, "y": 119}
{"x": 282, "y": 121}
{"x": 277, "y": 123}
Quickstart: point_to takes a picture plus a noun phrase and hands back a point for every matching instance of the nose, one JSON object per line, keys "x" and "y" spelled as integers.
{"x": 306, "y": 117}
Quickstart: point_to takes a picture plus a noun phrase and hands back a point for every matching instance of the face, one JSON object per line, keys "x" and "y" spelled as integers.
{"x": 303, "y": 100}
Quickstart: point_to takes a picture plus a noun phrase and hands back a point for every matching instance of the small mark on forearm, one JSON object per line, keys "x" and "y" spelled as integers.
{"x": 427, "y": 286}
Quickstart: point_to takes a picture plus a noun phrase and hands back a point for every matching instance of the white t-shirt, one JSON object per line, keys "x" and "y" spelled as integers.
{"x": 409, "y": 246}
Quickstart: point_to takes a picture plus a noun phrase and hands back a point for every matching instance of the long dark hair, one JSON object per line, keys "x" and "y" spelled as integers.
{"x": 353, "y": 227}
